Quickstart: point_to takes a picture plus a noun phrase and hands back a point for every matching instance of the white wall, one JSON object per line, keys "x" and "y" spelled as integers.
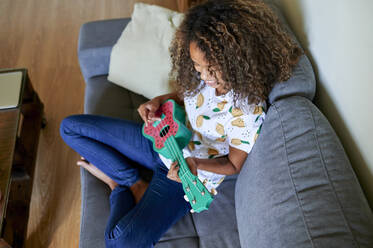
{"x": 338, "y": 37}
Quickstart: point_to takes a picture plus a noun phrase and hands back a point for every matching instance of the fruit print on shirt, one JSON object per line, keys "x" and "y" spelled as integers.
{"x": 217, "y": 125}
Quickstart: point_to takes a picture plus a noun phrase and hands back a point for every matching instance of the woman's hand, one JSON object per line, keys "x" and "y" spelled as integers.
{"x": 147, "y": 110}
{"x": 174, "y": 169}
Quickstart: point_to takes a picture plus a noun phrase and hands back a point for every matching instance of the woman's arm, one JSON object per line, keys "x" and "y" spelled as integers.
{"x": 227, "y": 165}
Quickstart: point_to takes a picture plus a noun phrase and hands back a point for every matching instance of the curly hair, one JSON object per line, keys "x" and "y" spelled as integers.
{"x": 243, "y": 39}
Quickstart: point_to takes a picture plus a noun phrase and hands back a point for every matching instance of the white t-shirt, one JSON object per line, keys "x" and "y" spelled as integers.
{"x": 216, "y": 124}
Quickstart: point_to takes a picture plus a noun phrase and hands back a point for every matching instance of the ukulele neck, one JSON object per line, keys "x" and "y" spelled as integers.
{"x": 177, "y": 155}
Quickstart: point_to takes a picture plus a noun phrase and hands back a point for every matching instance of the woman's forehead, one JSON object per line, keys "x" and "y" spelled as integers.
{"x": 197, "y": 55}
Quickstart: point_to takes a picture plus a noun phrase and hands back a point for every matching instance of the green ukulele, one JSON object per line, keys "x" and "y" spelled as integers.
{"x": 168, "y": 135}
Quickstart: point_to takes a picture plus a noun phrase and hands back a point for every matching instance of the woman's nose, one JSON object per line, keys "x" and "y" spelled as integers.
{"x": 204, "y": 74}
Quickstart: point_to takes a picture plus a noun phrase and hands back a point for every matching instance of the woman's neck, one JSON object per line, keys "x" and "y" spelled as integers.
{"x": 219, "y": 92}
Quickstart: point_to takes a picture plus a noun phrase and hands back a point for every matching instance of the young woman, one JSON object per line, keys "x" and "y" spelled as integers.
{"x": 226, "y": 57}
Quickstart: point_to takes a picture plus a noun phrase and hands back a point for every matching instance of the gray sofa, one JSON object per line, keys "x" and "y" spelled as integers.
{"x": 296, "y": 189}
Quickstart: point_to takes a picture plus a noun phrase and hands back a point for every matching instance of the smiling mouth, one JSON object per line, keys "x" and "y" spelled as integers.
{"x": 211, "y": 83}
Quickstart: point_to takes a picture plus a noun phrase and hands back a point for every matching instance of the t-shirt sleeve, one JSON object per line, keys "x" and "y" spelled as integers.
{"x": 244, "y": 127}
{"x": 186, "y": 152}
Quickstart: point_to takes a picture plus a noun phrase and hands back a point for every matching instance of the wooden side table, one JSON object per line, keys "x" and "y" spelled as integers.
{"x": 21, "y": 118}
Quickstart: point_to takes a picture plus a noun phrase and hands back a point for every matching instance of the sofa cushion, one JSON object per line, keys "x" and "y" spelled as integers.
{"x": 96, "y": 40}
{"x": 94, "y": 210}
{"x": 140, "y": 60}
{"x": 297, "y": 187}
{"x": 217, "y": 227}
{"x": 105, "y": 98}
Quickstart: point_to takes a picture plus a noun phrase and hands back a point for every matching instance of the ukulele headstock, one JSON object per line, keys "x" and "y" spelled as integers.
{"x": 196, "y": 193}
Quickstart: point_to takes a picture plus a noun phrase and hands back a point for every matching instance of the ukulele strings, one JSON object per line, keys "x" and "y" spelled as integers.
{"x": 164, "y": 140}
{"x": 175, "y": 149}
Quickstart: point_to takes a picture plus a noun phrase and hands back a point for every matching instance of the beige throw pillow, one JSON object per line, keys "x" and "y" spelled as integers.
{"x": 140, "y": 60}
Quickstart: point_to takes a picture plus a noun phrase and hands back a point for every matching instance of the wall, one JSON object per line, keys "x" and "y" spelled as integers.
{"x": 338, "y": 38}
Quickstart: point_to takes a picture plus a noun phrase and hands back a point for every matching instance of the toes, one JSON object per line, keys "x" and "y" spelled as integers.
{"x": 82, "y": 158}
{"x": 82, "y": 163}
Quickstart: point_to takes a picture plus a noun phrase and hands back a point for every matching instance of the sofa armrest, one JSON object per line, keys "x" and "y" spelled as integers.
{"x": 96, "y": 40}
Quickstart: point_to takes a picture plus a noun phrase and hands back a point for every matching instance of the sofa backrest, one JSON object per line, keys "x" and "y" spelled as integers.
{"x": 301, "y": 83}
{"x": 297, "y": 187}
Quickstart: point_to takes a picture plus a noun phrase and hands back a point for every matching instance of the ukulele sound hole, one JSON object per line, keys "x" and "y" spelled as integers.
{"x": 164, "y": 131}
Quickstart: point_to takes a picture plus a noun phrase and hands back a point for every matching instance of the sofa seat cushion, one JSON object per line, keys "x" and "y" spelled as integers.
{"x": 217, "y": 227}
{"x": 297, "y": 187}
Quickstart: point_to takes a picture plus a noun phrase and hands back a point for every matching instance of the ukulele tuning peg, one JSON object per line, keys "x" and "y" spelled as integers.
{"x": 214, "y": 191}
{"x": 186, "y": 198}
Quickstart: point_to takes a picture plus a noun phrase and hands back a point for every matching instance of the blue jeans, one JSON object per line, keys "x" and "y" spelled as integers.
{"x": 117, "y": 147}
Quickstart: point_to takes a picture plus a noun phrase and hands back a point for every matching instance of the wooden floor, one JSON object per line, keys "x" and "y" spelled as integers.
{"x": 42, "y": 36}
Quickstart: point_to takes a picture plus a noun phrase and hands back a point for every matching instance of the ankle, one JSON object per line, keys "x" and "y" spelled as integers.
{"x": 113, "y": 185}
{"x": 136, "y": 184}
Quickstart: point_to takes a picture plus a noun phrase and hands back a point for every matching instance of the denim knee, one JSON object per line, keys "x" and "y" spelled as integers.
{"x": 66, "y": 125}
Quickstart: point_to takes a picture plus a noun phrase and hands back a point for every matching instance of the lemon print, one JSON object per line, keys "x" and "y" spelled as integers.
{"x": 192, "y": 144}
{"x": 199, "y": 135}
{"x": 238, "y": 122}
{"x": 188, "y": 125}
{"x": 212, "y": 152}
{"x": 238, "y": 142}
{"x": 220, "y": 106}
{"x": 257, "y": 132}
{"x": 200, "y": 118}
{"x": 221, "y": 139}
{"x": 220, "y": 181}
{"x": 200, "y": 100}
{"x": 258, "y": 110}
{"x": 220, "y": 129}
{"x": 235, "y": 112}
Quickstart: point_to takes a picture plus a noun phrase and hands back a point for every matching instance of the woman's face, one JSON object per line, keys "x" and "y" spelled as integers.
{"x": 202, "y": 66}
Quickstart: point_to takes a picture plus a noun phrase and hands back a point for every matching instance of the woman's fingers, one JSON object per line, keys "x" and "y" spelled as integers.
{"x": 143, "y": 112}
{"x": 173, "y": 172}
{"x": 147, "y": 112}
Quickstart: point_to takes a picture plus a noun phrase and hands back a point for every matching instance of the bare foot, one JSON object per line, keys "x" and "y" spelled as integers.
{"x": 138, "y": 189}
{"x": 97, "y": 173}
